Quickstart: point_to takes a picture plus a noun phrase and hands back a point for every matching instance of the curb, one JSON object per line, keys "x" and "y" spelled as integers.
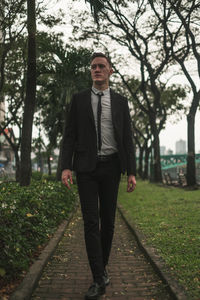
{"x": 25, "y": 290}
{"x": 175, "y": 289}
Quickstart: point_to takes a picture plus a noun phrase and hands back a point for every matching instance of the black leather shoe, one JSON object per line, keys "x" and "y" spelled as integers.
{"x": 95, "y": 291}
{"x": 106, "y": 278}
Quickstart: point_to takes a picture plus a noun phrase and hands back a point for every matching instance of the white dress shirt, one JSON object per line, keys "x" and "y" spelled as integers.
{"x": 109, "y": 145}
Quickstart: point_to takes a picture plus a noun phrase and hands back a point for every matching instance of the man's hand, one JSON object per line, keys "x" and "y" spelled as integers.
{"x": 131, "y": 183}
{"x": 67, "y": 178}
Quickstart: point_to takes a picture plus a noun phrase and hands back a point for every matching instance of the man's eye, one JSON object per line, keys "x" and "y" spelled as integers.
{"x": 100, "y": 66}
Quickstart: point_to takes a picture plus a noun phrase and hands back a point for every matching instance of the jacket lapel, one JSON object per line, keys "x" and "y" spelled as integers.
{"x": 88, "y": 103}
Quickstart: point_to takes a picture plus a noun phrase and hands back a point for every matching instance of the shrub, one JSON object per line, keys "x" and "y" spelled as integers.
{"x": 51, "y": 177}
{"x": 36, "y": 175}
{"x": 28, "y": 217}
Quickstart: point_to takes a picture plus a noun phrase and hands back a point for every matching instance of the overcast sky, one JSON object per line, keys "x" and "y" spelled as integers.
{"x": 173, "y": 132}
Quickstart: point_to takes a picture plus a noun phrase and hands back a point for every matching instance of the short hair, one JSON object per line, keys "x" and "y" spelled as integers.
{"x": 100, "y": 54}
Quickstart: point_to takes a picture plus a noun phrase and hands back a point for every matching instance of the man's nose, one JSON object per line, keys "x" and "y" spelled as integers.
{"x": 97, "y": 69}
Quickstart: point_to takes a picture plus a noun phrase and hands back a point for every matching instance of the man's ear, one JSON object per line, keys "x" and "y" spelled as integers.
{"x": 111, "y": 71}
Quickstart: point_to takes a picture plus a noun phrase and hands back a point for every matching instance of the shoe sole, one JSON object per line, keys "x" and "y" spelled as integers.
{"x": 95, "y": 298}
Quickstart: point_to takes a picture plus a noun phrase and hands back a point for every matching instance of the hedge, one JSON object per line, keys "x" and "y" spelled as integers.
{"x": 28, "y": 218}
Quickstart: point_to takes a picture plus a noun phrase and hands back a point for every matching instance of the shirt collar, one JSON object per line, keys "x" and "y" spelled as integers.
{"x": 105, "y": 92}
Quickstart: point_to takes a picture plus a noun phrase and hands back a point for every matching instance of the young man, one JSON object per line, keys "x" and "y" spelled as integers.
{"x": 98, "y": 146}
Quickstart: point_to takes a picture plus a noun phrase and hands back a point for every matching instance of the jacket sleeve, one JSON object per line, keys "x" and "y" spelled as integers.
{"x": 128, "y": 143}
{"x": 69, "y": 137}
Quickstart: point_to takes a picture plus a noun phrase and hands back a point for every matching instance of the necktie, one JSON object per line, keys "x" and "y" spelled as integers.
{"x": 99, "y": 120}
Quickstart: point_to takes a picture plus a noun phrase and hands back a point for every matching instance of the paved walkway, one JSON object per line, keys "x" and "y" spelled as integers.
{"x": 67, "y": 275}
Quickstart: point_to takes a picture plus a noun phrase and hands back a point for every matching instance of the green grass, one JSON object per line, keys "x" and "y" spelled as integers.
{"x": 170, "y": 219}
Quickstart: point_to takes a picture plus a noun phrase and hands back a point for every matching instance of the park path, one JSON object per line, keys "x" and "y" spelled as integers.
{"x": 67, "y": 275}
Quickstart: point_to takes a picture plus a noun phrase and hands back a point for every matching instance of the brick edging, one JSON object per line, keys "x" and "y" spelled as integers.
{"x": 26, "y": 288}
{"x": 175, "y": 289}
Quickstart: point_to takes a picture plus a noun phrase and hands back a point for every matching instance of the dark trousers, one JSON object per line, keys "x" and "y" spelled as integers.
{"x": 98, "y": 196}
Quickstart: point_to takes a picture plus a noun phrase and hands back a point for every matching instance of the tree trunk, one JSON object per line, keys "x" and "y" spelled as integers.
{"x": 40, "y": 162}
{"x": 29, "y": 105}
{"x": 146, "y": 163}
{"x": 49, "y": 164}
{"x": 157, "y": 173}
{"x": 140, "y": 167}
{"x": 191, "y": 169}
{"x": 58, "y": 172}
{"x": 65, "y": 117}
{"x": 17, "y": 166}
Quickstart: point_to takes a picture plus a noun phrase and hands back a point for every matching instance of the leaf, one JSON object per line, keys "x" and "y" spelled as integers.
{"x": 29, "y": 215}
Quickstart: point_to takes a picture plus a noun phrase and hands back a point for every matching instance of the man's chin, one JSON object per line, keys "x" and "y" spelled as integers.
{"x": 99, "y": 81}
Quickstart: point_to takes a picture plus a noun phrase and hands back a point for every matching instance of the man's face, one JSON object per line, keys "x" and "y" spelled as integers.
{"x": 100, "y": 71}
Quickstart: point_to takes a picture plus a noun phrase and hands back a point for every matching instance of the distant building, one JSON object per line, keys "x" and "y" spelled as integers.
{"x": 169, "y": 152}
{"x": 181, "y": 147}
{"x": 162, "y": 150}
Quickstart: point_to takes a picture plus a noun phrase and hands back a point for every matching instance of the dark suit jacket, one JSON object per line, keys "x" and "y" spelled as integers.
{"x": 79, "y": 151}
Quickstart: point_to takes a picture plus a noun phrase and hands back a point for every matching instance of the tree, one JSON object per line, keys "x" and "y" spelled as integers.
{"x": 11, "y": 27}
{"x": 14, "y": 93}
{"x": 132, "y": 25}
{"x": 171, "y": 99}
{"x": 13, "y": 62}
{"x": 63, "y": 71}
{"x": 180, "y": 21}
{"x": 9, "y": 33}
{"x": 29, "y": 105}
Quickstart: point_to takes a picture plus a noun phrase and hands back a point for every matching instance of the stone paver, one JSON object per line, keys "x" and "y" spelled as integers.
{"x": 67, "y": 275}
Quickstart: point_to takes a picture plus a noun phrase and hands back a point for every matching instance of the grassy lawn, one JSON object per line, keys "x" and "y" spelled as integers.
{"x": 170, "y": 219}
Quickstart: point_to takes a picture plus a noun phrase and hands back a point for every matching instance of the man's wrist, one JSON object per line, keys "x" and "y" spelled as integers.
{"x": 64, "y": 170}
